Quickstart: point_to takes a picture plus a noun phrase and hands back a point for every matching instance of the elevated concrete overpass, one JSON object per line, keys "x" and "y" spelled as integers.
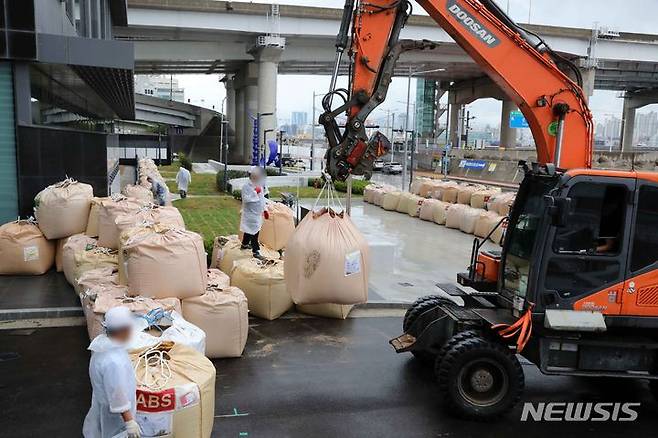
{"x": 208, "y": 36}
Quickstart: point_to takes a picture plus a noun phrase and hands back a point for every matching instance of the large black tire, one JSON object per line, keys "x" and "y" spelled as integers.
{"x": 479, "y": 379}
{"x": 420, "y": 306}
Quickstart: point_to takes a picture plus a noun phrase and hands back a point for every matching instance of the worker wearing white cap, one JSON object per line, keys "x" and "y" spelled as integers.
{"x": 113, "y": 400}
{"x": 253, "y": 210}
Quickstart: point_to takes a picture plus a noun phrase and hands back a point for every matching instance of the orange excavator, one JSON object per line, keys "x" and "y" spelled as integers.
{"x": 575, "y": 287}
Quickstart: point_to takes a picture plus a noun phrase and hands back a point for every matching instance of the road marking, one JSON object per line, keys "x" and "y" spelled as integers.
{"x": 234, "y": 414}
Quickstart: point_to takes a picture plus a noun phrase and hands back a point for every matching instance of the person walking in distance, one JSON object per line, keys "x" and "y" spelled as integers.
{"x": 183, "y": 179}
{"x": 253, "y": 211}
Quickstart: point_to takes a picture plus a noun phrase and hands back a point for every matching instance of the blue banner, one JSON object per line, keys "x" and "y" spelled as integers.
{"x": 473, "y": 164}
{"x": 517, "y": 120}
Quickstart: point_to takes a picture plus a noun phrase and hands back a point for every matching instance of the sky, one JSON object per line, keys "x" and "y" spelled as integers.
{"x": 295, "y": 93}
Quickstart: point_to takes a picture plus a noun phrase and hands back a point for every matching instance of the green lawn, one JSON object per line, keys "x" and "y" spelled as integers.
{"x": 202, "y": 184}
{"x": 210, "y": 216}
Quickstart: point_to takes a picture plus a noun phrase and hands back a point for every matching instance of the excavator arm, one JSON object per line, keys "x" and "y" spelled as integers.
{"x": 519, "y": 62}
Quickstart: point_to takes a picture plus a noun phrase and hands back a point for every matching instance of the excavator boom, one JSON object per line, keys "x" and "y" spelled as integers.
{"x": 519, "y": 62}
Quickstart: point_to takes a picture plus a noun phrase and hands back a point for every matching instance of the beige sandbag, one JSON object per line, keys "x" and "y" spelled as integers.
{"x": 416, "y": 185}
{"x": 62, "y": 209}
{"x": 440, "y": 212}
{"x": 264, "y": 285}
{"x": 403, "y": 204}
{"x": 58, "y": 254}
{"x": 278, "y": 228}
{"x": 165, "y": 263}
{"x": 24, "y": 249}
{"x": 427, "y": 209}
{"x": 378, "y": 197}
{"x": 138, "y": 192}
{"x": 335, "y": 311}
{"x": 428, "y": 187}
{"x": 481, "y": 197}
{"x": 217, "y": 279}
{"x": 439, "y": 187}
{"x": 222, "y": 313}
{"x": 501, "y": 203}
{"x": 369, "y": 192}
{"x": 455, "y": 216}
{"x": 106, "y": 276}
{"x": 450, "y": 194}
{"x": 95, "y": 258}
{"x": 226, "y": 251}
{"x": 415, "y": 204}
{"x": 185, "y": 406}
{"x": 110, "y": 210}
{"x": 94, "y": 216}
{"x": 153, "y": 214}
{"x": 391, "y": 200}
{"x": 470, "y": 217}
{"x": 498, "y": 235}
{"x": 486, "y": 223}
{"x": 88, "y": 296}
{"x": 466, "y": 192}
{"x": 327, "y": 261}
{"x": 72, "y": 246}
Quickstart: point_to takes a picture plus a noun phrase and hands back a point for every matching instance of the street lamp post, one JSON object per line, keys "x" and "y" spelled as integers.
{"x": 221, "y": 132}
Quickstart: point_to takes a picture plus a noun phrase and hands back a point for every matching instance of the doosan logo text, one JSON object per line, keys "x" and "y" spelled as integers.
{"x": 471, "y": 24}
{"x": 571, "y": 412}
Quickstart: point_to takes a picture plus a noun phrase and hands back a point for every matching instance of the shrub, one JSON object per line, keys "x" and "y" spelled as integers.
{"x": 237, "y": 194}
{"x": 358, "y": 185}
{"x": 231, "y": 174}
{"x": 271, "y": 171}
{"x": 185, "y": 161}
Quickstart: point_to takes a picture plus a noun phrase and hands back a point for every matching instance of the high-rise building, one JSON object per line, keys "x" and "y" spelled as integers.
{"x": 160, "y": 86}
{"x": 425, "y": 108}
{"x": 299, "y": 118}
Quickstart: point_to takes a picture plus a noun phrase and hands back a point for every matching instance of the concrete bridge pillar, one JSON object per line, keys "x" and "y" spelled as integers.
{"x": 235, "y": 153}
{"x": 230, "y": 112}
{"x": 628, "y": 126}
{"x": 507, "y": 134}
{"x": 455, "y": 113}
{"x": 589, "y": 77}
{"x": 267, "y": 58}
{"x": 250, "y": 110}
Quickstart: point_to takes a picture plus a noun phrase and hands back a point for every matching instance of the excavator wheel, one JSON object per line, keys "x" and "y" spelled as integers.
{"x": 480, "y": 379}
{"x": 420, "y": 306}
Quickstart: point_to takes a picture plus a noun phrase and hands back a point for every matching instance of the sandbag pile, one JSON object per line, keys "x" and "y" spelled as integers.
{"x": 110, "y": 210}
{"x": 62, "y": 209}
{"x": 70, "y": 247}
{"x": 471, "y": 208}
{"x": 24, "y": 250}
{"x": 138, "y": 192}
{"x": 94, "y": 216}
{"x": 146, "y": 167}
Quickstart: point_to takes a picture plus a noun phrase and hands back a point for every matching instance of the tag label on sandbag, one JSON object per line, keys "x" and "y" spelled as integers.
{"x": 353, "y": 263}
{"x": 155, "y": 424}
{"x": 30, "y": 253}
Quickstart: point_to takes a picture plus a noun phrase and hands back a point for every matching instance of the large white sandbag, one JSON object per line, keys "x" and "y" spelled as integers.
{"x": 278, "y": 228}
{"x": 440, "y": 212}
{"x": 450, "y": 194}
{"x": 184, "y": 406}
{"x": 486, "y": 222}
{"x": 151, "y": 214}
{"x": 334, "y": 311}
{"x": 481, "y": 197}
{"x": 498, "y": 235}
{"x": 71, "y": 246}
{"x": 501, "y": 203}
{"x": 470, "y": 217}
{"x": 110, "y": 210}
{"x": 415, "y": 203}
{"x": 226, "y": 251}
{"x": 427, "y": 209}
{"x": 369, "y": 192}
{"x": 24, "y": 249}
{"x": 427, "y": 187}
{"x": 222, "y": 313}
{"x": 378, "y": 196}
{"x": 455, "y": 216}
{"x": 437, "y": 190}
{"x": 167, "y": 262}
{"x": 94, "y": 216}
{"x": 138, "y": 192}
{"x": 327, "y": 260}
{"x": 391, "y": 200}
{"x": 62, "y": 209}
{"x": 416, "y": 185}
{"x": 264, "y": 285}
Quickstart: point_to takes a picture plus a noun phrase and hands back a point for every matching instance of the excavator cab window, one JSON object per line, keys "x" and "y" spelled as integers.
{"x": 587, "y": 252}
{"x": 645, "y": 240}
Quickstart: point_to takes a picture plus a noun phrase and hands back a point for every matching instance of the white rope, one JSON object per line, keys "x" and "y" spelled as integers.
{"x": 333, "y": 200}
{"x": 156, "y": 370}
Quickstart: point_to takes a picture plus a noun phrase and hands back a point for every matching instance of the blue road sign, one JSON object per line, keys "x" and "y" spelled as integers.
{"x": 517, "y": 120}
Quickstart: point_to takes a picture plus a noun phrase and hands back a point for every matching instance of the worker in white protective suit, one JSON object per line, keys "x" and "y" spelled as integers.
{"x": 113, "y": 400}
{"x": 183, "y": 179}
{"x": 253, "y": 210}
